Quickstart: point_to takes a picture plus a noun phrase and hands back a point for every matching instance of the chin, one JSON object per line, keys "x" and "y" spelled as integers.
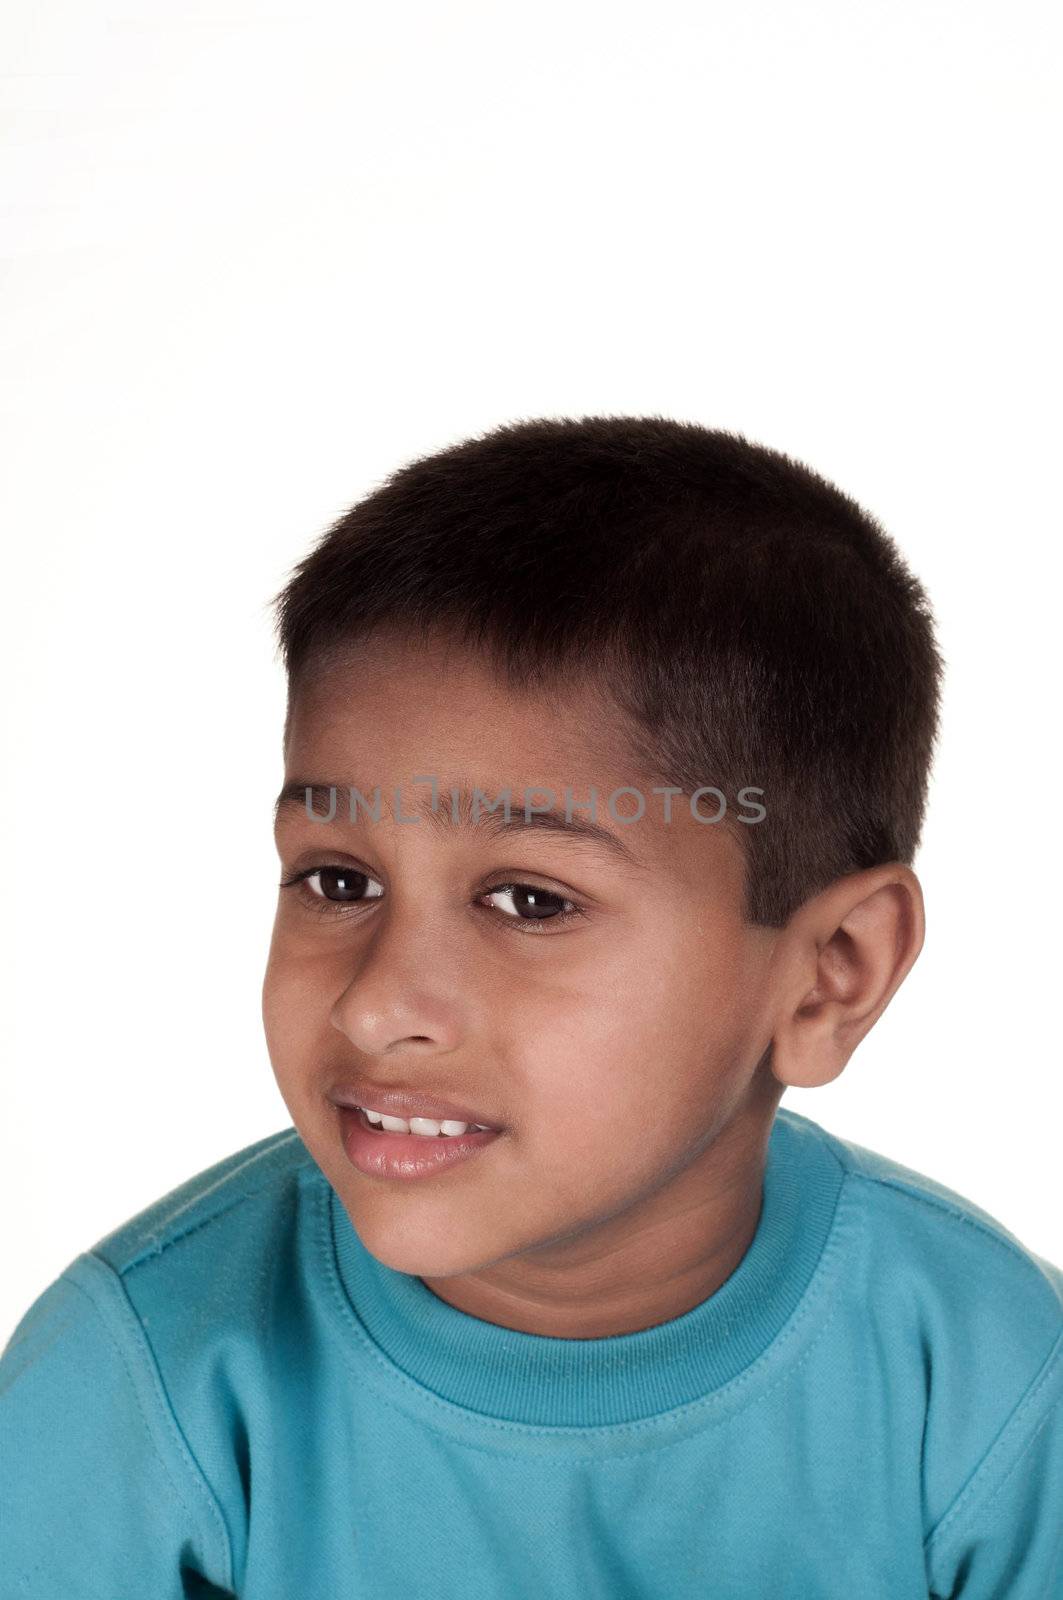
{"x": 422, "y": 1257}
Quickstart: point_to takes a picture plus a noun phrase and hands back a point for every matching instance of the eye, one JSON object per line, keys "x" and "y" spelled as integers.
{"x": 530, "y": 904}
{"x": 526, "y": 907}
{"x": 337, "y": 885}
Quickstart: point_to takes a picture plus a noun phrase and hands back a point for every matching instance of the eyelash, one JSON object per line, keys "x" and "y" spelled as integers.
{"x": 322, "y": 906}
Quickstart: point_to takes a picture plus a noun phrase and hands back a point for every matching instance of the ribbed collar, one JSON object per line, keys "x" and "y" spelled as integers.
{"x": 540, "y": 1380}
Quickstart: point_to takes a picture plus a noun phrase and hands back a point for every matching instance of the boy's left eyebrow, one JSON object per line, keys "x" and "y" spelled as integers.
{"x": 293, "y": 795}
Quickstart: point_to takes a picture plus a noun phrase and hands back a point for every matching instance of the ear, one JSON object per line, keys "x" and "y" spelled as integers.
{"x": 844, "y": 954}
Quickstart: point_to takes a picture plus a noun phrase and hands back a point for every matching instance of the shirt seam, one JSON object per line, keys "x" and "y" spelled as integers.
{"x": 938, "y": 1204}
{"x": 193, "y": 1472}
{"x": 976, "y": 1495}
{"x": 973, "y": 1486}
{"x": 147, "y": 1255}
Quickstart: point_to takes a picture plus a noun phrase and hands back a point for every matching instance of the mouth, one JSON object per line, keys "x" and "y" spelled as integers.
{"x": 403, "y": 1152}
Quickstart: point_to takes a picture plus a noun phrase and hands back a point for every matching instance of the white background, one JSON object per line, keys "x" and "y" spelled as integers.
{"x": 255, "y": 257}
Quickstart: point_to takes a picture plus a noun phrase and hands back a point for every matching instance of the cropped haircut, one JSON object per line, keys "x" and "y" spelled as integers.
{"x": 753, "y": 625}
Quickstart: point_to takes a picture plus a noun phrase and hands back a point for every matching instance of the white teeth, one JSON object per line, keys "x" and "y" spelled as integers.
{"x": 427, "y": 1127}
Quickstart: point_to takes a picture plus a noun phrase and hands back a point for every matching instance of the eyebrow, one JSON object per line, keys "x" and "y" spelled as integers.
{"x": 494, "y": 823}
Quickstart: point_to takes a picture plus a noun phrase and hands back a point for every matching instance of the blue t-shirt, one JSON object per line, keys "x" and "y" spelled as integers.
{"x": 229, "y": 1395}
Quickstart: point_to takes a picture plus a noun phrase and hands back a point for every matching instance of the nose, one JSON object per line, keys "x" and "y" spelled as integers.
{"x": 403, "y": 996}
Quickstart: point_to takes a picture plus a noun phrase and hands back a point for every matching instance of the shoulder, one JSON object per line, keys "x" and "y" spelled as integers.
{"x": 208, "y": 1227}
{"x": 955, "y": 1308}
{"x": 195, "y": 1264}
{"x": 262, "y": 1177}
{"x": 110, "y": 1358}
{"x": 207, "y": 1269}
{"x": 933, "y": 1234}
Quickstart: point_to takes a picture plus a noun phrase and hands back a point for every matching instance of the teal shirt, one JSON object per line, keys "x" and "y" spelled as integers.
{"x": 230, "y": 1396}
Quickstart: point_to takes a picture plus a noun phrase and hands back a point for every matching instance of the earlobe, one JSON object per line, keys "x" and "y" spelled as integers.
{"x": 849, "y": 949}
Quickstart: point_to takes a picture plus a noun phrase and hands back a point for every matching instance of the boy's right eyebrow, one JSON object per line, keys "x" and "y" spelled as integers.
{"x": 564, "y": 823}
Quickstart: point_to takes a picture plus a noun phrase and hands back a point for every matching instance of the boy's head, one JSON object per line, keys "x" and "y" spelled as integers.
{"x": 561, "y": 607}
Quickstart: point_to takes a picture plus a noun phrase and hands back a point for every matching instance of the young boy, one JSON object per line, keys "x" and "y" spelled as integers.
{"x": 605, "y": 763}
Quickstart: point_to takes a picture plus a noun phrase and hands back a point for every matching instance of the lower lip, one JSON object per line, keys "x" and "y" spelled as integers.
{"x": 404, "y": 1155}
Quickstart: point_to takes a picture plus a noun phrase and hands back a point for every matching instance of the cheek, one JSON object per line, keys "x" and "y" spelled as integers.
{"x": 295, "y": 1006}
{"x": 650, "y": 1044}
{"x": 592, "y": 1055}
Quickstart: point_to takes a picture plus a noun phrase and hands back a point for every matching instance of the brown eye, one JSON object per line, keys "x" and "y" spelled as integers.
{"x": 530, "y": 903}
{"x": 341, "y": 885}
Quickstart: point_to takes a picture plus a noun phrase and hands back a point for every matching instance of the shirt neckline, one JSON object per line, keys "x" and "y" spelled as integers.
{"x": 547, "y": 1381}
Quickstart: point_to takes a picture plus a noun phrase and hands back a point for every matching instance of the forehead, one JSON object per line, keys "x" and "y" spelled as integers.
{"x": 398, "y": 696}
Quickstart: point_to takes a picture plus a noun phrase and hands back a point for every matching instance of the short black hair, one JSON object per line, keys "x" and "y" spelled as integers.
{"x": 755, "y": 626}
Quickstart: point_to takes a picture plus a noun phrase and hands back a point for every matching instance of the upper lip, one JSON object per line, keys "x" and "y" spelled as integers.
{"x": 407, "y": 1103}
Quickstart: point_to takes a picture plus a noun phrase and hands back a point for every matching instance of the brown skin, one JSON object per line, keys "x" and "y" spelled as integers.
{"x": 634, "y": 1056}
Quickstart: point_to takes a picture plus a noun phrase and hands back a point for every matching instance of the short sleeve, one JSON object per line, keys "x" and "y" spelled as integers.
{"x": 99, "y": 1499}
{"x": 1004, "y": 1534}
